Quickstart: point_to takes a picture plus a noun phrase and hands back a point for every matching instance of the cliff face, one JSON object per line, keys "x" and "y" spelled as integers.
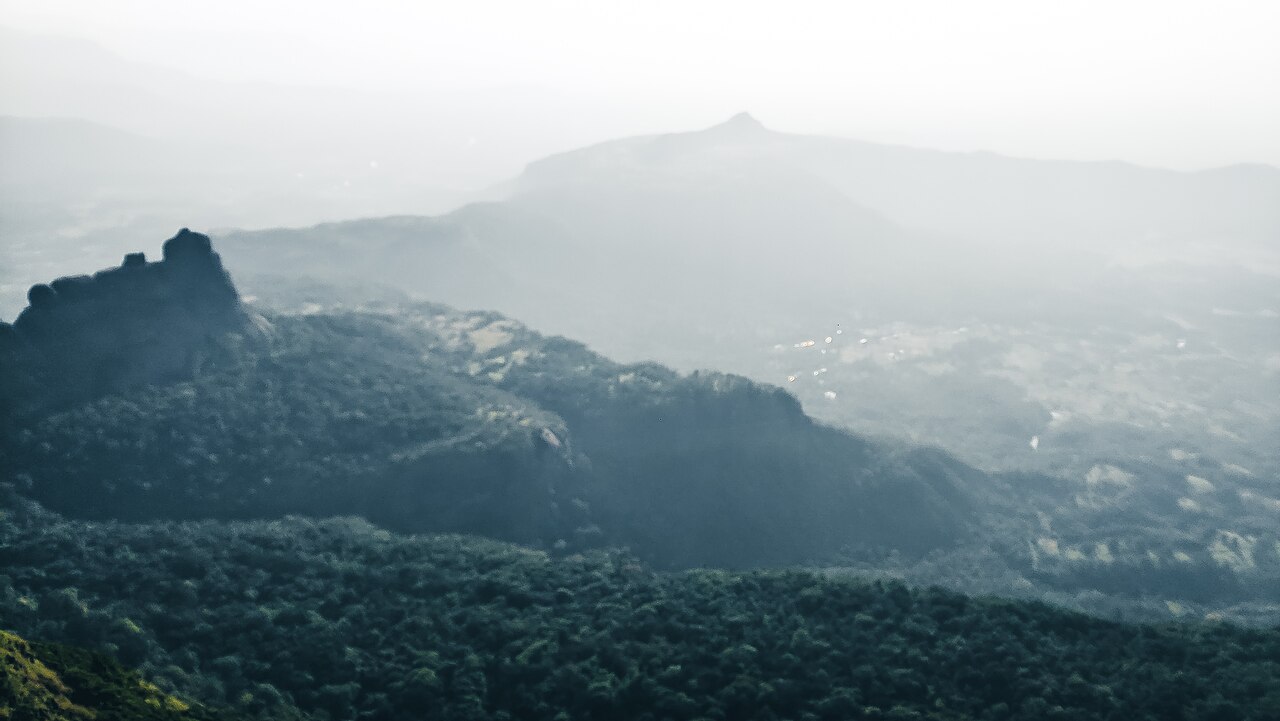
{"x": 138, "y": 323}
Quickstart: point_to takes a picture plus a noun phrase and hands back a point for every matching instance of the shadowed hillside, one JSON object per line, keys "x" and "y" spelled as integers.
{"x": 422, "y": 418}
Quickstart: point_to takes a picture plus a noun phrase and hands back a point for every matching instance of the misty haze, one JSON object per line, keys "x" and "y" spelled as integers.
{"x": 651, "y": 361}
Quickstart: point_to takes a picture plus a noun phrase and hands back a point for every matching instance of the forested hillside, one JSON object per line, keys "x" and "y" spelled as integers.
{"x": 339, "y": 619}
{"x": 252, "y": 522}
{"x": 422, "y": 418}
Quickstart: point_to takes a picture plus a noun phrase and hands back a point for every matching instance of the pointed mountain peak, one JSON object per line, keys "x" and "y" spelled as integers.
{"x": 741, "y": 123}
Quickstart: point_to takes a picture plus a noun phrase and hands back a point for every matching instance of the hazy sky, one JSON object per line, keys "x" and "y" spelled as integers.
{"x": 1180, "y": 84}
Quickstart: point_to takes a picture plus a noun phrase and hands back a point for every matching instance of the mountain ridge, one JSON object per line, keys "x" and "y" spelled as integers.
{"x": 980, "y": 196}
{"x": 748, "y": 125}
{"x": 423, "y": 418}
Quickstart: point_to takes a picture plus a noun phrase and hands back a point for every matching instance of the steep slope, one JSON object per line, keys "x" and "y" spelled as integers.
{"x": 422, "y": 418}
{"x": 53, "y": 682}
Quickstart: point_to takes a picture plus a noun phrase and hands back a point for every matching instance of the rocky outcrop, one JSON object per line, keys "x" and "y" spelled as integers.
{"x": 139, "y": 323}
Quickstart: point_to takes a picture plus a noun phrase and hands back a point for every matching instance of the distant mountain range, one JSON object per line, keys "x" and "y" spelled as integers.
{"x": 976, "y": 196}
{"x": 789, "y": 228}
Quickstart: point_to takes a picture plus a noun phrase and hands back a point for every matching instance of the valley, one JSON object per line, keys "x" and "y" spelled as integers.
{"x": 722, "y": 423}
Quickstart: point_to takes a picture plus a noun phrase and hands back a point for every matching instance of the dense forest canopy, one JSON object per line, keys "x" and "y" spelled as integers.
{"x": 339, "y": 619}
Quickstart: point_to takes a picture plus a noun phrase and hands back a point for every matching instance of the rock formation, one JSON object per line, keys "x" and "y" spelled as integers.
{"x": 138, "y": 323}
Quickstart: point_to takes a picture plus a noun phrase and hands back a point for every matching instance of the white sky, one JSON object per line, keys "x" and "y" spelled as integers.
{"x": 1173, "y": 83}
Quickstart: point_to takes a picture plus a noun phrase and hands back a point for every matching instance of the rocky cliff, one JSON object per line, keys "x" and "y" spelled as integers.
{"x": 138, "y": 323}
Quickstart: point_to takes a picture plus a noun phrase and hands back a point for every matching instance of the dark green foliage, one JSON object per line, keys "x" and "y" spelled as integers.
{"x": 54, "y": 682}
{"x": 426, "y": 419}
{"x": 341, "y": 620}
{"x": 320, "y": 419}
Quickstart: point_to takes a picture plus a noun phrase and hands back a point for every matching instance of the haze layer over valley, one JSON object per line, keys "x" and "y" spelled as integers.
{"x": 1111, "y": 326}
{"x": 1119, "y": 362}
{"x": 656, "y": 361}
{"x": 745, "y": 249}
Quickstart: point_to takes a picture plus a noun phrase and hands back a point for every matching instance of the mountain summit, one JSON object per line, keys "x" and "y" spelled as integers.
{"x": 742, "y": 123}
{"x": 136, "y": 323}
